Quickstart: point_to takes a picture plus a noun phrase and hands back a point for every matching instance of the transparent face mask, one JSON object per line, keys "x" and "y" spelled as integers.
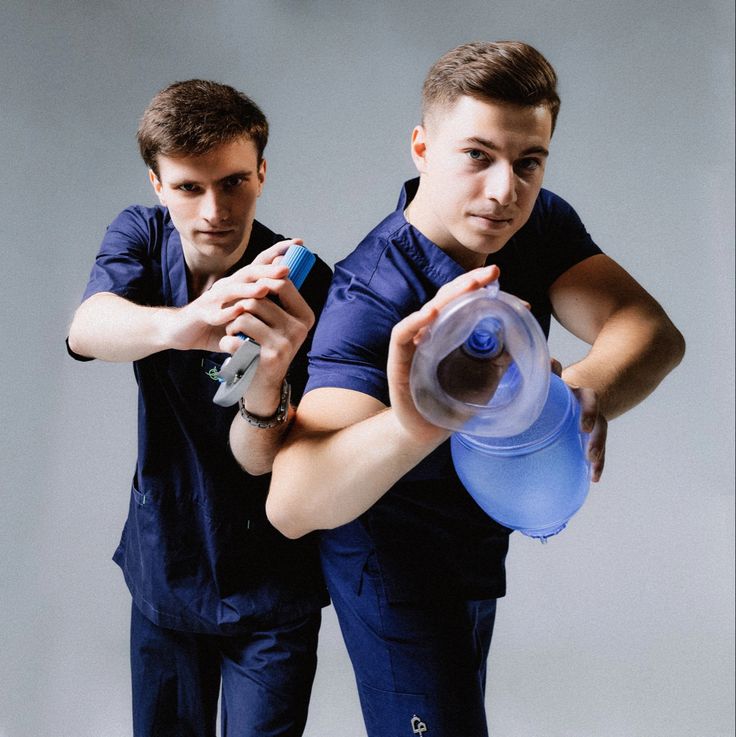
{"x": 483, "y": 367}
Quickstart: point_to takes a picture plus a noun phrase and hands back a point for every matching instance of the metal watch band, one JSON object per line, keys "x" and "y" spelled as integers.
{"x": 277, "y": 418}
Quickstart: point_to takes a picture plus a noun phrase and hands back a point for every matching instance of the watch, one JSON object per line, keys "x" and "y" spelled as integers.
{"x": 277, "y": 418}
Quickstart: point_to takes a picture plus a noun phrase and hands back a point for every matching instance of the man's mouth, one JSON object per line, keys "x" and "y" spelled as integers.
{"x": 493, "y": 221}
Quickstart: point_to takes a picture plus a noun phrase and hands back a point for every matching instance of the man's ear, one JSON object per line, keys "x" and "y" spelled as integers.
{"x": 419, "y": 147}
{"x": 261, "y": 176}
{"x": 157, "y": 186}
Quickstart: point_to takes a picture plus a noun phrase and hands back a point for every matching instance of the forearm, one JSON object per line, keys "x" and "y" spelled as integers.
{"x": 111, "y": 328}
{"x": 255, "y": 448}
{"x": 252, "y": 446}
{"x": 631, "y": 355}
{"x": 324, "y": 479}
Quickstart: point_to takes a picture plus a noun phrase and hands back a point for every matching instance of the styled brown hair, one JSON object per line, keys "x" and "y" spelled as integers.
{"x": 192, "y": 117}
{"x": 505, "y": 71}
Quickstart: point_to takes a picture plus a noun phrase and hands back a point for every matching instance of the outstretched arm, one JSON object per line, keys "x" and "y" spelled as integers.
{"x": 634, "y": 345}
{"x": 112, "y": 328}
{"x": 346, "y": 449}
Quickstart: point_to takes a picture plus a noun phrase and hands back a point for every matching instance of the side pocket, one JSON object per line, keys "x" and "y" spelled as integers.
{"x": 396, "y": 714}
{"x": 139, "y": 497}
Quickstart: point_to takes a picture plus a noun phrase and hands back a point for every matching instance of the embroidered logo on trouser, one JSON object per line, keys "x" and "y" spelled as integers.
{"x": 417, "y": 725}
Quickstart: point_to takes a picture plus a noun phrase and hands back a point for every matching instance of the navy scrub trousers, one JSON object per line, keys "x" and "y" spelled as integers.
{"x": 266, "y": 680}
{"x": 420, "y": 666}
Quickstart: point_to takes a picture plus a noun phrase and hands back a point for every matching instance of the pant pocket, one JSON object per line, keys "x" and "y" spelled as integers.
{"x": 392, "y": 714}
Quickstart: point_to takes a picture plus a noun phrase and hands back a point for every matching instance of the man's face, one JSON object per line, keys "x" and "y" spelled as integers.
{"x": 481, "y": 166}
{"x": 212, "y": 200}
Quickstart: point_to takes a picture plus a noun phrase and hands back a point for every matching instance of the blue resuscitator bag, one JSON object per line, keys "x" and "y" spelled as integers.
{"x": 483, "y": 371}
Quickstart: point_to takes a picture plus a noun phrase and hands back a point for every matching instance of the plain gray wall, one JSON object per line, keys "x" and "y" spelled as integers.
{"x": 621, "y": 626}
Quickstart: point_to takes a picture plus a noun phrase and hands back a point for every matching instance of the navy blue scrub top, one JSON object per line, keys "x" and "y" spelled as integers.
{"x": 426, "y": 534}
{"x": 197, "y": 551}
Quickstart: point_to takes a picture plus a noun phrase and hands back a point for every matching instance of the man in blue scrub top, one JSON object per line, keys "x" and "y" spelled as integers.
{"x": 221, "y": 600}
{"x": 413, "y": 566}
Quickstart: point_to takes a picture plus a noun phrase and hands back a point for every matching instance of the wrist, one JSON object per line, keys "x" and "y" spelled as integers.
{"x": 417, "y": 439}
{"x": 277, "y": 416}
{"x": 262, "y": 398}
{"x": 171, "y": 328}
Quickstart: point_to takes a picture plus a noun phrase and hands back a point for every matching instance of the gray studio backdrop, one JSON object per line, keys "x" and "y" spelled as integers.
{"x": 622, "y": 626}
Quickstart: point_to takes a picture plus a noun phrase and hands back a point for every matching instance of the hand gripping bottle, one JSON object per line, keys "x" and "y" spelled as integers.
{"x": 238, "y": 371}
{"x": 483, "y": 370}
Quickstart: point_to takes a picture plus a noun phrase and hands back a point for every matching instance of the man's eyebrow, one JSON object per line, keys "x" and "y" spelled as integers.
{"x": 540, "y": 150}
{"x": 193, "y": 180}
{"x": 245, "y": 173}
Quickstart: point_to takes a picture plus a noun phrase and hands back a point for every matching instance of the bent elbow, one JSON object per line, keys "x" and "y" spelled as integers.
{"x": 255, "y": 468}
{"x": 672, "y": 344}
{"x": 74, "y": 339}
{"x": 679, "y": 346}
{"x": 282, "y": 516}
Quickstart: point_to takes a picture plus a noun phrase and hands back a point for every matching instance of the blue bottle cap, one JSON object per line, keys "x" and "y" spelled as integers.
{"x": 299, "y": 260}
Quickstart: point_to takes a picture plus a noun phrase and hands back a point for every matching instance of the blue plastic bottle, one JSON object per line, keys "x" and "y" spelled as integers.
{"x": 483, "y": 371}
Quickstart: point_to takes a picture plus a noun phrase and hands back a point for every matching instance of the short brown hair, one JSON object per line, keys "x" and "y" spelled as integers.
{"x": 505, "y": 71}
{"x": 192, "y": 117}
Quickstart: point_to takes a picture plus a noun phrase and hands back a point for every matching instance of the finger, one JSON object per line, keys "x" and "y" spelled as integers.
{"x": 230, "y": 343}
{"x": 588, "y": 400}
{"x": 292, "y": 301}
{"x": 288, "y": 299}
{"x": 233, "y": 299}
{"x": 256, "y": 291}
{"x": 268, "y": 324}
{"x": 468, "y": 282}
{"x": 278, "y": 342}
{"x": 263, "y": 311}
{"x": 253, "y": 272}
{"x": 405, "y": 333}
{"x": 276, "y": 251}
{"x": 597, "y": 448}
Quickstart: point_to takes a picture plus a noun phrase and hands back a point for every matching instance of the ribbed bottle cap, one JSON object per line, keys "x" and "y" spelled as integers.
{"x": 299, "y": 260}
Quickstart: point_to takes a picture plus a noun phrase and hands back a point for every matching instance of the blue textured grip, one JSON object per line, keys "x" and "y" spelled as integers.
{"x": 299, "y": 260}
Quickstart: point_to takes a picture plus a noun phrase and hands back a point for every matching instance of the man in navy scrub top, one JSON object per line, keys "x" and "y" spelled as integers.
{"x": 414, "y": 567}
{"x": 222, "y": 602}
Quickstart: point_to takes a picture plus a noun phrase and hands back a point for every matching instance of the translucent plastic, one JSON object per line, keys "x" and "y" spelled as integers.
{"x": 483, "y": 370}
{"x": 533, "y": 482}
{"x": 498, "y": 395}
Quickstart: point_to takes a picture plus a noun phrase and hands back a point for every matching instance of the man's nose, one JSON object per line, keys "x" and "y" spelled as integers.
{"x": 215, "y": 208}
{"x": 501, "y": 184}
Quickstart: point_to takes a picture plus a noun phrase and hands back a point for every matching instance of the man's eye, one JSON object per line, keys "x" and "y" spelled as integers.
{"x": 475, "y": 154}
{"x": 528, "y": 165}
{"x": 234, "y": 181}
{"x": 186, "y": 187}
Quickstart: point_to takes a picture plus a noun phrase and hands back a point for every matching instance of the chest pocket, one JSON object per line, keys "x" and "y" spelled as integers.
{"x": 191, "y": 376}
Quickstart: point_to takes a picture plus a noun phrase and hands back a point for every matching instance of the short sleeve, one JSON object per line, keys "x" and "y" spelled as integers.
{"x": 123, "y": 264}
{"x": 567, "y": 242}
{"x": 350, "y": 344}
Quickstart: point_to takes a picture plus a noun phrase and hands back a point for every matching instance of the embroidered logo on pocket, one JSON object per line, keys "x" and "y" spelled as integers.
{"x": 417, "y": 725}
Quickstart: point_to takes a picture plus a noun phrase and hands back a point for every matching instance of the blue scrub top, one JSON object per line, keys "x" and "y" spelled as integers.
{"x": 197, "y": 551}
{"x": 426, "y": 534}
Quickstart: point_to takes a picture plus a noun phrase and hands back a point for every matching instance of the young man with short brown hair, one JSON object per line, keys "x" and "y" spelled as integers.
{"x": 223, "y": 605}
{"x": 413, "y": 565}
